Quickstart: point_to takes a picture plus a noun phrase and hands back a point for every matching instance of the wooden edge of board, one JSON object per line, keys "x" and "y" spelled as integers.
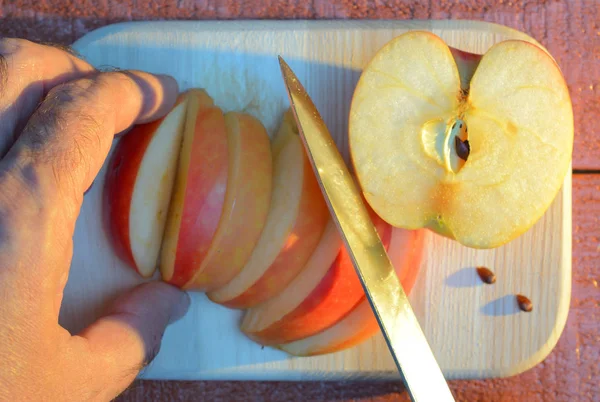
{"x": 253, "y": 24}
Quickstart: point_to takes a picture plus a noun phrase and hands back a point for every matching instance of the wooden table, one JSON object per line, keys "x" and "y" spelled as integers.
{"x": 570, "y": 30}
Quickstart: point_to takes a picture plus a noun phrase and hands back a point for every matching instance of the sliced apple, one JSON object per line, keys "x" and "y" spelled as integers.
{"x": 474, "y": 156}
{"x": 287, "y": 127}
{"x": 405, "y": 251}
{"x": 138, "y": 186}
{"x": 322, "y": 294}
{"x": 246, "y": 205}
{"x": 199, "y": 192}
{"x": 296, "y": 220}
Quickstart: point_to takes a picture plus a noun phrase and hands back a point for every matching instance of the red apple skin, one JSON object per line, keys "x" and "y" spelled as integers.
{"x": 122, "y": 171}
{"x": 408, "y": 279}
{"x": 411, "y": 262}
{"x": 251, "y": 184}
{"x": 467, "y": 64}
{"x": 204, "y": 194}
{"x": 335, "y": 295}
{"x": 310, "y": 223}
{"x": 464, "y": 55}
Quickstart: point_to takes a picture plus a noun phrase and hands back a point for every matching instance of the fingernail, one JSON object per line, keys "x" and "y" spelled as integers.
{"x": 181, "y": 308}
{"x": 169, "y": 82}
{"x": 159, "y": 96}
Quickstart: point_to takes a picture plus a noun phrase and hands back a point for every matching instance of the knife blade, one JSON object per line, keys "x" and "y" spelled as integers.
{"x": 405, "y": 339}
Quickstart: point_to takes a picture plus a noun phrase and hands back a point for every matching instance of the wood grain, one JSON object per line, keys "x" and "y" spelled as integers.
{"x": 568, "y": 28}
{"x": 475, "y": 331}
{"x": 569, "y": 373}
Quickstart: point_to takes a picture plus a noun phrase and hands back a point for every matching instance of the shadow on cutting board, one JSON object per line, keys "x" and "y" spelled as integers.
{"x": 505, "y": 305}
{"x": 464, "y": 278}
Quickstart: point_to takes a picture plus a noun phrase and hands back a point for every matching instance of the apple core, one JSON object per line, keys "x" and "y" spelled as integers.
{"x": 446, "y": 141}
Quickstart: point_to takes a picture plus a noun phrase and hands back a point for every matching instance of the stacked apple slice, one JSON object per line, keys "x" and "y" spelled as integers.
{"x": 325, "y": 291}
{"x": 405, "y": 249}
{"x": 220, "y": 208}
{"x": 191, "y": 191}
{"x": 297, "y": 217}
{"x": 220, "y": 201}
{"x": 138, "y": 186}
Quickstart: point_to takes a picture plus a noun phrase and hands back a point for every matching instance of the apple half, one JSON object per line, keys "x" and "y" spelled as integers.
{"x": 406, "y": 252}
{"x": 246, "y": 204}
{"x": 138, "y": 185}
{"x": 472, "y": 147}
{"x": 326, "y": 289}
{"x": 297, "y": 217}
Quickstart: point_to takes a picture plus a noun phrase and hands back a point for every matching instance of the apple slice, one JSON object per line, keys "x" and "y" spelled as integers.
{"x": 474, "y": 149}
{"x": 405, "y": 251}
{"x": 246, "y": 205}
{"x": 258, "y": 320}
{"x": 287, "y": 127}
{"x": 322, "y": 294}
{"x": 296, "y": 220}
{"x": 199, "y": 192}
{"x": 138, "y": 186}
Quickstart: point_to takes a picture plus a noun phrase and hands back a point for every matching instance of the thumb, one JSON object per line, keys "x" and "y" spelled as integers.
{"x": 129, "y": 337}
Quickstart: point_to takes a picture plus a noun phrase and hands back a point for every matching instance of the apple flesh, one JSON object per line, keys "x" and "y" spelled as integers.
{"x": 297, "y": 218}
{"x": 405, "y": 252}
{"x": 322, "y": 294}
{"x": 246, "y": 205}
{"x": 138, "y": 186}
{"x": 475, "y": 149}
{"x": 199, "y": 192}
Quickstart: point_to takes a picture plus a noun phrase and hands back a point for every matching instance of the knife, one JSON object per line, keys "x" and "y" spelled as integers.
{"x": 412, "y": 354}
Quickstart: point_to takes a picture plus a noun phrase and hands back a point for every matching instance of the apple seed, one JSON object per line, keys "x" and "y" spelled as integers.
{"x": 462, "y": 148}
{"x": 486, "y": 275}
{"x": 524, "y": 303}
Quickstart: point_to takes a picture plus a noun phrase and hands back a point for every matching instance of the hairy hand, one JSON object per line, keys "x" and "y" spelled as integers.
{"x": 58, "y": 118}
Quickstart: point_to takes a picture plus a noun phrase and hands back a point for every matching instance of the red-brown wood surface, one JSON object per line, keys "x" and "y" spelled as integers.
{"x": 571, "y": 32}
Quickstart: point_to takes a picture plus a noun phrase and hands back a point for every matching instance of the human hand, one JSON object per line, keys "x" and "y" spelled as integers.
{"x": 50, "y": 154}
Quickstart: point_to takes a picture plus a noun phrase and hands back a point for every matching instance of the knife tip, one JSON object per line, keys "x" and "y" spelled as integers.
{"x": 285, "y": 69}
{"x": 282, "y": 64}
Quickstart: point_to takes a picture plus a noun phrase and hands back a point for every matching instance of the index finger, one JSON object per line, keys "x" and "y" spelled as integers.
{"x": 28, "y": 70}
{"x": 66, "y": 141}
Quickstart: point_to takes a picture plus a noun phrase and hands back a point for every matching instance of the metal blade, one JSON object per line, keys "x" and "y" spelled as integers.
{"x": 405, "y": 339}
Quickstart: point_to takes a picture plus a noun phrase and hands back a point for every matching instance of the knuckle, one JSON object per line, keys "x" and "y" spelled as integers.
{"x": 65, "y": 128}
{"x": 32, "y": 50}
{"x": 8, "y": 48}
{"x": 20, "y": 204}
{"x": 13, "y": 45}
{"x": 71, "y": 90}
{"x": 26, "y": 57}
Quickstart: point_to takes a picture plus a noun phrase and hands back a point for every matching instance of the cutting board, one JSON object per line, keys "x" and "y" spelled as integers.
{"x": 475, "y": 330}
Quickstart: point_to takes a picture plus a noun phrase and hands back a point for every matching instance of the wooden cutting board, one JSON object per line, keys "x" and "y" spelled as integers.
{"x": 475, "y": 330}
